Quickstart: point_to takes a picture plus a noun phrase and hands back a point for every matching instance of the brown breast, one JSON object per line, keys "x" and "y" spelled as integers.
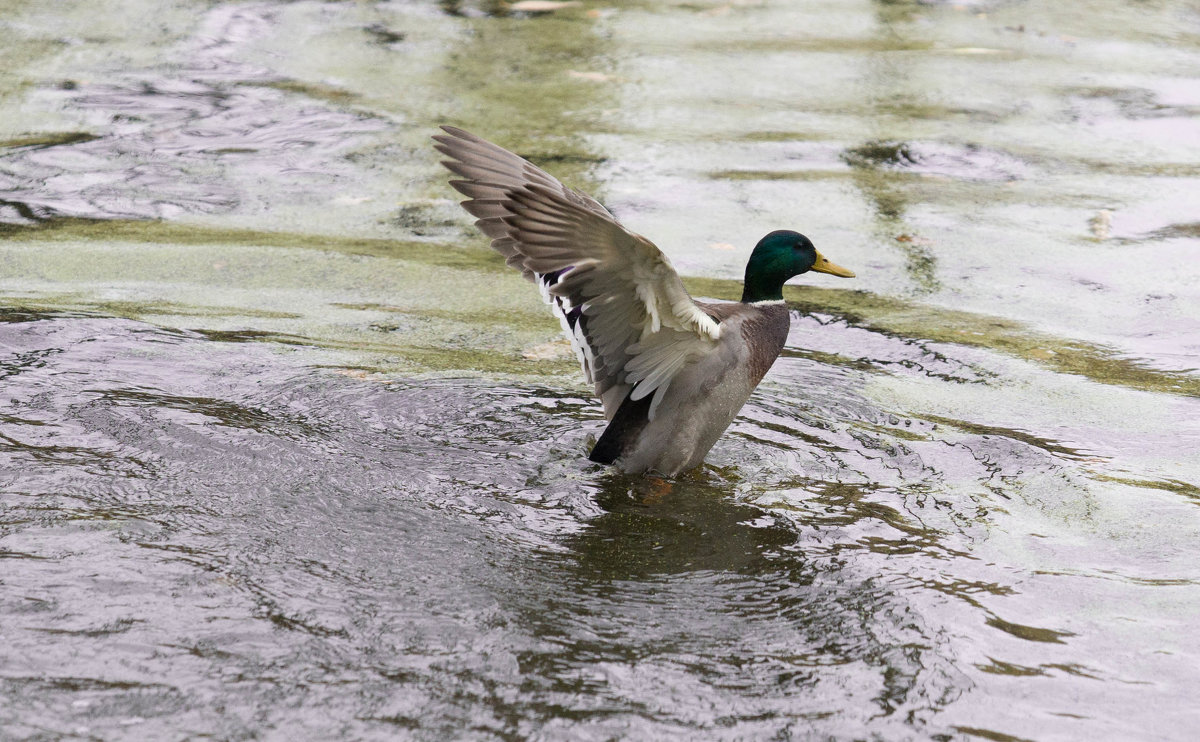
{"x": 764, "y": 328}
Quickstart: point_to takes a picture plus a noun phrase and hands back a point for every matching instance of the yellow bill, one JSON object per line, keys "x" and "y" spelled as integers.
{"x": 824, "y": 266}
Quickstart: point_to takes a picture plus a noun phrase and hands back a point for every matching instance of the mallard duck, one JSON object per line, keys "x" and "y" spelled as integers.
{"x": 671, "y": 372}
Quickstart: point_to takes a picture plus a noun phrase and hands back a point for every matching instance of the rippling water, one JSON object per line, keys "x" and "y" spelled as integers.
{"x": 210, "y": 538}
{"x": 286, "y": 452}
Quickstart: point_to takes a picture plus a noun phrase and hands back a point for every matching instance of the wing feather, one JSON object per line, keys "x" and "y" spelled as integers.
{"x": 619, "y": 300}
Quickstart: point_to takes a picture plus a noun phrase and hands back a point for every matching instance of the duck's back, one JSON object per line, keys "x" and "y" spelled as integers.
{"x": 703, "y": 398}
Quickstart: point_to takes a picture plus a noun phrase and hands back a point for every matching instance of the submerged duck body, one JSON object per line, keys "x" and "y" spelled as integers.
{"x": 672, "y": 373}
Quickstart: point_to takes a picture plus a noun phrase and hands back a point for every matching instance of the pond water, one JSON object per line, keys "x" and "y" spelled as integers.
{"x": 286, "y": 452}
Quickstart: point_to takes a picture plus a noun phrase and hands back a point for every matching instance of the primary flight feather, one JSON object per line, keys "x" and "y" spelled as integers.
{"x": 671, "y": 372}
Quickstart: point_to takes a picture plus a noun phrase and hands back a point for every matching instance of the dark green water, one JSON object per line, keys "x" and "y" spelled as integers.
{"x": 286, "y": 453}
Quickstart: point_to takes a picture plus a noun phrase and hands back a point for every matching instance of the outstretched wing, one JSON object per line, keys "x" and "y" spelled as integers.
{"x": 620, "y": 302}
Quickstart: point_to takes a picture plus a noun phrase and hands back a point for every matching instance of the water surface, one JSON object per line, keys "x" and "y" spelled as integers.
{"x": 285, "y": 451}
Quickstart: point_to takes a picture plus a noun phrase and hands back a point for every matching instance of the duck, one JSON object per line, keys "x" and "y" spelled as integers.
{"x": 671, "y": 372}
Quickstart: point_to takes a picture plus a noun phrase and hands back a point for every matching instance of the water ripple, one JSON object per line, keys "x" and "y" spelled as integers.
{"x": 188, "y": 139}
{"x": 209, "y": 529}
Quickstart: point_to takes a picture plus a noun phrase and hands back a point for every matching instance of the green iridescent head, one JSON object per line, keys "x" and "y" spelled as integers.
{"x": 779, "y": 256}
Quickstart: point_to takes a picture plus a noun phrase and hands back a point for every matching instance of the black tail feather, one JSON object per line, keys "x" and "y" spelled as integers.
{"x": 631, "y": 417}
